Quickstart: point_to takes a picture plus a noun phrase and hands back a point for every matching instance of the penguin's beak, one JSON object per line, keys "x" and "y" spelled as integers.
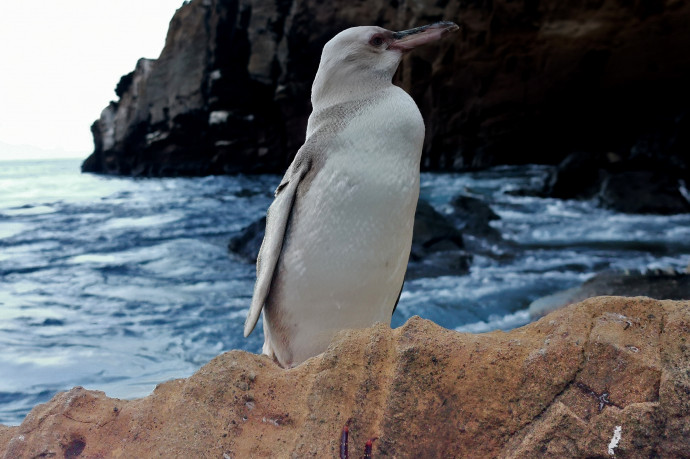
{"x": 410, "y": 39}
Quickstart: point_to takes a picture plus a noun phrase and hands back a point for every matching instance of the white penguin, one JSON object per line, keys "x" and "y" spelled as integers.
{"x": 339, "y": 232}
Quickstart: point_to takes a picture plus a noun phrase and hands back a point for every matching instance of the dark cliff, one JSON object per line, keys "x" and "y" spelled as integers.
{"x": 524, "y": 81}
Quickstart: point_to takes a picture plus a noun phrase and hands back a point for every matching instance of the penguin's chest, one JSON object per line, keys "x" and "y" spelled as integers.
{"x": 358, "y": 212}
{"x": 351, "y": 230}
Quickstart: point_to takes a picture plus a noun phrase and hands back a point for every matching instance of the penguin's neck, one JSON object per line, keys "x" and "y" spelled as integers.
{"x": 337, "y": 85}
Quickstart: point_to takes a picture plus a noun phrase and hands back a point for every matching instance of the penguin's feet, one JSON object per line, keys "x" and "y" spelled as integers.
{"x": 344, "y": 436}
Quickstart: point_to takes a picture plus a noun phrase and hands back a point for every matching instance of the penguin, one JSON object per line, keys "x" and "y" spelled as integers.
{"x": 339, "y": 231}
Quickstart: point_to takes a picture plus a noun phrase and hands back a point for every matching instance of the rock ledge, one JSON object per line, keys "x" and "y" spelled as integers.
{"x": 559, "y": 387}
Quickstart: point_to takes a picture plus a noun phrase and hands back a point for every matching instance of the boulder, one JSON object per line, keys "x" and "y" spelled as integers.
{"x": 579, "y": 176}
{"x": 472, "y": 216}
{"x": 437, "y": 246}
{"x": 247, "y": 243}
{"x": 643, "y": 192}
{"x": 524, "y": 82}
{"x": 603, "y": 378}
{"x": 640, "y": 184}
{"x": 661, "y": 285}
{"x": 433, "y": 232}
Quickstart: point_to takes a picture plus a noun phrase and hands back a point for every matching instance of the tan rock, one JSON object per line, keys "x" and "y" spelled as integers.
{"x": 565, "y": 386}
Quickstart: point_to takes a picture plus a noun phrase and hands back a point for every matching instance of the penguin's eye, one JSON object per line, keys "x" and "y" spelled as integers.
{"x": 376, "y": 40}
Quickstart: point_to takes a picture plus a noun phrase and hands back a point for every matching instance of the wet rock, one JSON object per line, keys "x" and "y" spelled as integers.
{"x": 524, "y": 82}
{"x": 564, "y": 386}
{"x": 439, "y": 263}
{"x": 472, "y": 216}
{"x": 635, "y": 184}
{"x": 655, "y": 284}
{"x": 578, "y": 176}
{"x": 643, "y": 192}
{"x": 437, "y": 246}
{"x": 247, "y": 243}
{"x": 433, "y": 232}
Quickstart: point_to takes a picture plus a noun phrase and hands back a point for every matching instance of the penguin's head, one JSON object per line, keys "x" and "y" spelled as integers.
{"x": 364, "y": 57}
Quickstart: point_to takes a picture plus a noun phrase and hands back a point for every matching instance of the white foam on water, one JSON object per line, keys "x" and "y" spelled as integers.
{"x": 496, "y": 322}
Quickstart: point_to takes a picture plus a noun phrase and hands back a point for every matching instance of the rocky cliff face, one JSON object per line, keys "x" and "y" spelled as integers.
{"x": 604, "y": 378}
{"x": 526, "y": 81}
{"x": 195, "y": 110}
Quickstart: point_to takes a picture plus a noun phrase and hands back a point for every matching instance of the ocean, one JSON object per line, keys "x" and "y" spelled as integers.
{"x": 118, "y": 284}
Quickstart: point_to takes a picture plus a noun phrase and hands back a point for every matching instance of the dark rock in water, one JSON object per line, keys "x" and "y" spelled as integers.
{"x": 578, "y": 176}
{"x": 472, "y": 216}
{"x": 658, "y": 285}
{"x": 433, "y": 232}
{"x": 52, "y": 322}
{"x": 437, "y": 246}
{"x": 436, "y": 264}
{"x": 247, "y": 244}
{"x": 522, "y": 83}
{"x": 246, "y": 193}
{"x": 633, "y": 182}
{"x": 643, "y": 192}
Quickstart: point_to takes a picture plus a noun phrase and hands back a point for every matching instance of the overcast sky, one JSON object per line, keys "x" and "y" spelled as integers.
{"x": 60, "y": 62}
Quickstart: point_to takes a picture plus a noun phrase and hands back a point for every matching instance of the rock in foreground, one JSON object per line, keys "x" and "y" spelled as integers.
{"x": 659, "y": 285}
{"x": 560, "y": 387}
